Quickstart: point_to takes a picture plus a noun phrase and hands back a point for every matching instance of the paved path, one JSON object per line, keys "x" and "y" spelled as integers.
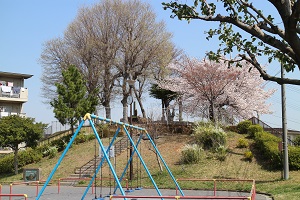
{"x": 76, "y": 193}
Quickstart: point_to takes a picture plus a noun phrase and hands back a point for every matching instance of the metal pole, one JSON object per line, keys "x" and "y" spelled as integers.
{"x": 130, "y": 150}
{"x": 284, "y": 130}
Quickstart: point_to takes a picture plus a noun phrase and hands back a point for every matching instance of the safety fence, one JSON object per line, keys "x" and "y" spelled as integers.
{"x": 176, "y": 197}
{"x": 216, "y": 181}
{"x": 10, "y": 194}
{"x": 216, "y": 187}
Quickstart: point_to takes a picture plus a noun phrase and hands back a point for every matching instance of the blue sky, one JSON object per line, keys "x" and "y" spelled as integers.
{"x": 26, "y": 25}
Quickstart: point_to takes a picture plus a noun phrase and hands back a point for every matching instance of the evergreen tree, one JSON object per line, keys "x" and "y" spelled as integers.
{"x": 72, "y": 101}
{"x": 16, "y": 130}
{"x": 166, "y": 97}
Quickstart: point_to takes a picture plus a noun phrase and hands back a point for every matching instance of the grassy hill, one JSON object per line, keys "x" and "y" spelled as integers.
{"x": 234, "y": 166}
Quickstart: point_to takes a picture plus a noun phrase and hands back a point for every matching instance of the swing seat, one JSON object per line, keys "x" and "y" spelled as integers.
{"x": 99, "y": 198}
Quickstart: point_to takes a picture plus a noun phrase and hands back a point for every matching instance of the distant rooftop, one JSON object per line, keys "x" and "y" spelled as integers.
{"x": 15, "y": 75}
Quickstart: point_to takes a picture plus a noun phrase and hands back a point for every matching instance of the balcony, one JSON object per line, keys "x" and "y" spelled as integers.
{"x": 5, "y": 114}
{"x": 13, "y": 94}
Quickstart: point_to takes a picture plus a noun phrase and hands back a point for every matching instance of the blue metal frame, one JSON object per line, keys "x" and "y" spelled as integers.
{"x": 100, "y": 165}
{"x": 105, "y": 153}
{"x": 60, "y": 159}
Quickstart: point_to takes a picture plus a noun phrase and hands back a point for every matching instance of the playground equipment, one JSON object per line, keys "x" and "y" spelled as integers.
{"x": 105, "y": 151}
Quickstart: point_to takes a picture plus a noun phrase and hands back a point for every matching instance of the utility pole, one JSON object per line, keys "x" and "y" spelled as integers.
{"x": 284, "y": 130}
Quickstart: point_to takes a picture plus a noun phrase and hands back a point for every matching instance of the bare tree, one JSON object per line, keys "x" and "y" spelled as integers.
{"x": 145, "y": 45}
{"x": 111, "y": 42}
{"x": 93, "y": 36}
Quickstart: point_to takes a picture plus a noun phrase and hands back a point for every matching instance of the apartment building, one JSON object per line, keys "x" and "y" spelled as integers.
{"x": 13, "y": 93}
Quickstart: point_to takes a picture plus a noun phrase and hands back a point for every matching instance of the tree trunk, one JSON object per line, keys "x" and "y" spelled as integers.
{"x": 72, "y": 126}
{"x": 125, "y": 110}
{"x": 180, "y": 105}
{"x": 16, "y": 159}
{"x": 140, "y": 103}
{"x": 211, "y": 112}
{"x": 107, "y": 108}
{"x": 162, "y": 111}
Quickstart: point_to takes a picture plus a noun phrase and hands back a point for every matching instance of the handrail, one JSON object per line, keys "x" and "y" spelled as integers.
{"x": 14, "y": 195}
{"x": 252, "y": 192}
{"x": 174, "y": 197}
{"x": 82, "y": 171}
{"x": 25, "y": 183}
{"x": 268, "y": 128}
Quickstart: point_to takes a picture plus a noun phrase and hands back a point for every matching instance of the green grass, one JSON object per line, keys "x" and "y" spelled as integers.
{"x": 234, "y": 167}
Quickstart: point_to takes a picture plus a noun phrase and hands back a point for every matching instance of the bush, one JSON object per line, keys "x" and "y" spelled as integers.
{"x": 191, "y": 154}
{"x": 29, "y": 156}
{"x": 52, "y": 152}
{"x": 80, "y": 138}
{"x": 7, "y": 164}
{"x": 61, "y": 143}
{"x": 104, "y": 130}
{"x": 25, "y": 157}
{"x": 90, "y": 137}
{"x": 242, "y": 143}
{"x": 209, "y": 137}
{"x": 268, "y": 146}
{"x": 297, "y": 141}
{"x": 43, "y": 149}
{"x": 252, "y": 129}
{"x": 294, "y": 158}
{"x": 221, "y": 152}
{"x": 248, "y": 155}
{"x": 242, "y": 127}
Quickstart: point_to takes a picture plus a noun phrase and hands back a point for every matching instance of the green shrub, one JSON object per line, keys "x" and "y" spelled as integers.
{"x": 90, "y": 137}
{"x": 242, "y": 143}
{"x": 104, "y": 130}
{"x": 80, "y": 138}
{"x": 25, "y": 157}
{"x": 268, "y": 146}
{"x": 7, "y": 164}
{"x": 28, "y": 156}
{"x": 248, "y": 155}
{"x": 294, "y": 157}
{"x": 252, "y": 129}
{"x": 221, "y": 153}
{"x": 242, "y": 127}
{"x": 208, "y": 136}
{"x": 191, "y": 154}
{"x": 60, "y": 144}
{"x": 52, "y": 152}
{"x": 43, "y": 149}
{"x": 297, "y": 141}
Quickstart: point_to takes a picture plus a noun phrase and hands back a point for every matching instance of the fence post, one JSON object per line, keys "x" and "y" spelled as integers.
{"x": 37, "y": 188}
{"x": 58, "y": 186}
{"x": 215, "y": 187}
{"x": 10, "y": 191}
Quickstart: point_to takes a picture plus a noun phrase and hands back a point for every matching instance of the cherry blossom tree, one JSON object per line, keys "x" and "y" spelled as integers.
{"x": 212, "y": 89}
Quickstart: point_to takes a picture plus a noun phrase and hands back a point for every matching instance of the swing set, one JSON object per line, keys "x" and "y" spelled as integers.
{"x": 106, "y": 157}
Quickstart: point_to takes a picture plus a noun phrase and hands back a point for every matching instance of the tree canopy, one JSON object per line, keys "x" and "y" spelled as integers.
{"x": 72, "y": 101}
{"x": 166, "y": 96}
{"x": 110, "y": 42}
{"x": 213, "y": 90}
{"x": 253, "y": 29}
{"x": 16, "y": 130}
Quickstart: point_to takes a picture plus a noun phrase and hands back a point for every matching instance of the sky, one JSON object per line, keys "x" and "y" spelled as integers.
{"x": 27, "y": 25}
